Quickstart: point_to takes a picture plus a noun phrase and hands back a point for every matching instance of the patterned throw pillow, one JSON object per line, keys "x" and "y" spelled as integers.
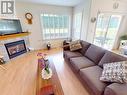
{"x": 75, "y": 45}
{"x": 114, "y": 72}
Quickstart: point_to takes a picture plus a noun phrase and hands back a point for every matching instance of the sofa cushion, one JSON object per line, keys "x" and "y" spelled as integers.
{"x": 95, "y": 53}
{"x": 91, "y": 76}
{"x": 110, "y": 57}
{"x": 70, "y": 54}
{"x": 81, "y": 62}
{"x": 114, "y": 72}
{"x": 85, "y": 46}
{"x": 75, "y": 45}
{"x": 116, "y": 89}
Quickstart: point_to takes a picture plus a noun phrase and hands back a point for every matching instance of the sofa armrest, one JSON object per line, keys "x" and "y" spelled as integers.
{"x": 116, "y": 89}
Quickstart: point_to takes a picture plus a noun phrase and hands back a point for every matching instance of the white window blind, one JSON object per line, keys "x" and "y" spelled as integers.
{"x": 55, "y": 26}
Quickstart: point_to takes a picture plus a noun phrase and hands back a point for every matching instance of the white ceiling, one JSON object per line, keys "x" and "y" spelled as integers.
{"x": 54, "y": 2}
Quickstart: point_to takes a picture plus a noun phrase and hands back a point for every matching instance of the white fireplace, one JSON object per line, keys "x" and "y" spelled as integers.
{"x": 14, "y": 51}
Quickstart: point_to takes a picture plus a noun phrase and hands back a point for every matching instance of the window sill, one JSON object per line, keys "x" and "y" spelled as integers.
{"x": 56, "y": 39}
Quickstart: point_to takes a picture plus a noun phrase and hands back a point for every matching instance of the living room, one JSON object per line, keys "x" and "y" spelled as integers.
{"x": 63, "y": 47}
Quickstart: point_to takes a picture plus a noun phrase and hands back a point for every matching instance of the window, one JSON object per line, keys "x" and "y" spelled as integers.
{"x": 55, "y": 26}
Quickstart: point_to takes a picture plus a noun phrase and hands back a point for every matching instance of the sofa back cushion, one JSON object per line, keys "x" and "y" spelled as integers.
{"x": 85, "y": 46}
{"x": 75, "y": 45}
{"x": 110, "y": 57}
{"x": 95, "y": 53}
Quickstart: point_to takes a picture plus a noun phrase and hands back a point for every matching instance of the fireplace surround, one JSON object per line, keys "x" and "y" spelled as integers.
{"x": 15, "y": 48}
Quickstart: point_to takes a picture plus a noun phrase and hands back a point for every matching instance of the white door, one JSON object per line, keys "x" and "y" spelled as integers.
{"x": 106, "y": 30}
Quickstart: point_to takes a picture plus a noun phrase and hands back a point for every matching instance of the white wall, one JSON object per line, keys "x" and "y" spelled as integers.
{"x": 107, "y": 7}
{"x": 36, "y": 40}
{"x": 84, "y": 8}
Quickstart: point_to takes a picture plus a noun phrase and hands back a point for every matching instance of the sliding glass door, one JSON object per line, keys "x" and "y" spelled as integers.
{"x": 106, "y": 30}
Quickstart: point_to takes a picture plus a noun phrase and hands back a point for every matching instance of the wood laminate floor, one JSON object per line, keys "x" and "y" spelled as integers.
{"x": 70, "y": 83}
{"x": 19, "y": 78}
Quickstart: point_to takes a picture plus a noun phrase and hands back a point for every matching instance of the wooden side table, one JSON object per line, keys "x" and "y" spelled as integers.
{"x": 66, "y": 45}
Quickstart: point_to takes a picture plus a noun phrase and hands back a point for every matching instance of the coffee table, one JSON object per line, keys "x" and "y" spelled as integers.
{"x": 51, "y": 86}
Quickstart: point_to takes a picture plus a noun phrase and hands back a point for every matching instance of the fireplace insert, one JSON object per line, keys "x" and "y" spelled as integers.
{"x": 15, "y": 48}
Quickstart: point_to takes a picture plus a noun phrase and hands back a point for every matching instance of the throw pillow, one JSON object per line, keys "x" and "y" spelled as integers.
{"x": 75, "y": 45}
{"x": 114, "y": 72}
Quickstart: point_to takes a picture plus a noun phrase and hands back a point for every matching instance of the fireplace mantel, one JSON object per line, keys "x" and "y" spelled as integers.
{"x": 6, "y": 37}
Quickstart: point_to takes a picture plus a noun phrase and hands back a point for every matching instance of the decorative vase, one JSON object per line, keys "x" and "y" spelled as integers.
{"x": 46, "y": 74}
{"x": 48, "y": 46}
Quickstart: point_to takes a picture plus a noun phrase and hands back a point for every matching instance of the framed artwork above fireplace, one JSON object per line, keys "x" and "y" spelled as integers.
{"x": 15, "y": 48}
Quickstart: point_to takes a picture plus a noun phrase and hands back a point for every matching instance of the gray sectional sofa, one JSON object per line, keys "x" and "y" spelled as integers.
{"x": 87, "y": 64}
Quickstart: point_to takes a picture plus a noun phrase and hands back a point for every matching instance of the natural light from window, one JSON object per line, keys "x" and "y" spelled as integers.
{"x": 55, "y": 26}
{"x": 106, "y": 30}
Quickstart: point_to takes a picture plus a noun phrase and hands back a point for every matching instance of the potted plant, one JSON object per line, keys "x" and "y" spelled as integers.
{"x": 46, "y": 70}
{"x": 123, "y": 40}
{"x": 124, "y": 37}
